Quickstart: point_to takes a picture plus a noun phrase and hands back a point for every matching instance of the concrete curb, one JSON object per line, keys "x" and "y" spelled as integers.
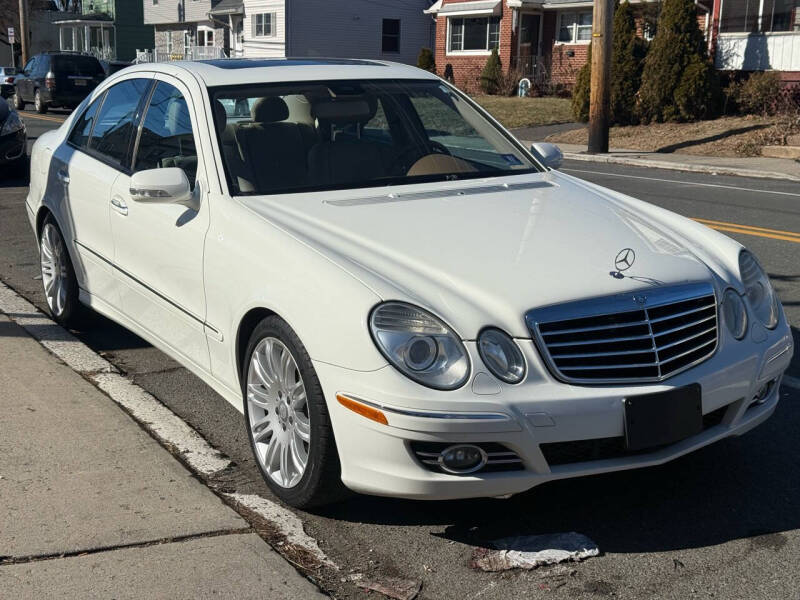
{"x": 675, "y": 166}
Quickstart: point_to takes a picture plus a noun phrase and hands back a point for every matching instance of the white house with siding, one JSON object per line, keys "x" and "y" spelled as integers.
{"x": 393, "y": 30}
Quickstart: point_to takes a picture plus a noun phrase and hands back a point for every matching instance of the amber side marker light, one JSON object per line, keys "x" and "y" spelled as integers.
{"x": 373, "y": 414}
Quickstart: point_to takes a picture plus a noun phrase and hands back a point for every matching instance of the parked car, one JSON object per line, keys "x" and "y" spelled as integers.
{"x": 7, "y": 75}
{"x": 57, "y": 79}
{"x": 400, "y": 298}
{"x": 13, "y": 137}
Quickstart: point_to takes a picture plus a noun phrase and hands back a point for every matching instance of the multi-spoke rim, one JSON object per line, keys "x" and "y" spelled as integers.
{"x": 278, "y": 412}
{"x": 54, "y": 269}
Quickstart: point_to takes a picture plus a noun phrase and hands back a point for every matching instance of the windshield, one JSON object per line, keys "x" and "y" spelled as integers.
{"x": 293, "y": 137}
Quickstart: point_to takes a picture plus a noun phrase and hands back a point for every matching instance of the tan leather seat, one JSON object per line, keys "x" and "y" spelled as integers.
{"x": 272, "y": 150}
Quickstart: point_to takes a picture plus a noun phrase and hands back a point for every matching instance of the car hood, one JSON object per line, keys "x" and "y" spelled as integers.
{"x": 483, "y": 252}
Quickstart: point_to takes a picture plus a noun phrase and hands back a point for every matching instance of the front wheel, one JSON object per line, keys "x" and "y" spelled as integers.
{"x": 38, "y": 103}
{"x": 58, "y": 276}
{"x": 287, "y": 418}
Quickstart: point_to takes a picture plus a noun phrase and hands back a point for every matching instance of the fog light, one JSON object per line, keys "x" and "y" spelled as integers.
{"x": 763, "y": 393}
{"x": 462, "y": 459}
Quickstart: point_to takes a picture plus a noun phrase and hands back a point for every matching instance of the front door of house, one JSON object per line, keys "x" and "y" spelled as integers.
{"x": 529, "y": 41}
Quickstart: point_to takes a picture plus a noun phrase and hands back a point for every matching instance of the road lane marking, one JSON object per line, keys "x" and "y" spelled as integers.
{"x": 713, "y": 185}
{"x": 775, "y": 234}
{"x": 24, "y": 113}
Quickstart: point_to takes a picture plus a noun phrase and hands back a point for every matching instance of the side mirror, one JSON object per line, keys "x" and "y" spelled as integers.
{"x": 549, "y": 154}
{"x": 168, "y": 185}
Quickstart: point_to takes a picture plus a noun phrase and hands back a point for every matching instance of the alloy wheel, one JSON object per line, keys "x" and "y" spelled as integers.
{"x": 54, "y": 269}
{"x": 278, "y": 412}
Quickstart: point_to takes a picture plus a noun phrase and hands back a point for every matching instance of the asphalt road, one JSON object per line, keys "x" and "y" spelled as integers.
{"x": 723, "y": 522}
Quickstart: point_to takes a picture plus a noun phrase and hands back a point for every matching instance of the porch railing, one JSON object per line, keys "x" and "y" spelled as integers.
{"x": 190, "y": 53}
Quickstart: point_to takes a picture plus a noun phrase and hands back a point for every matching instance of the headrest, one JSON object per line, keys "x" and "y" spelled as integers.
{"x": 348, "y": 110}
{"x": 269, "y": 110}
{"x": 220, "y": 116}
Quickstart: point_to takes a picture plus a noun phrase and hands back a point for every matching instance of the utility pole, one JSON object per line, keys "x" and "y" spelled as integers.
{"x": 599, "y": 97}
{"x": 23, "y": 30}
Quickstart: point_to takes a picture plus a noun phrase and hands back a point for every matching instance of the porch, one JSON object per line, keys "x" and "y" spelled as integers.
{"x": 92, "y": 36}
{"x": 187, "y": 53}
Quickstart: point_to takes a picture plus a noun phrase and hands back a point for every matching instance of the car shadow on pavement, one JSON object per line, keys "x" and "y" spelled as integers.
{"x": 738, "y": 488}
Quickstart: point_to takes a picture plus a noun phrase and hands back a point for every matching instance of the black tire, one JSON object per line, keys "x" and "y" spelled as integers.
{"x": 321, "y": 483}
{"x": 19, "y": 103}
{"x": 41, "y": 105}
{"x": 72, "y": 311}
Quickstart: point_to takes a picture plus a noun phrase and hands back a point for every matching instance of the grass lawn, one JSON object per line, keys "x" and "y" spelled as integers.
{"x": 516, "y": 112}
{"x": 726, "y": 136}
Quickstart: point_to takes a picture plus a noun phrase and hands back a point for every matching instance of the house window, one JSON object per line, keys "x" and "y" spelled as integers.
{"x": 474, "y": 33}
{"x": 390, "y": 41}
{"x": 155, "y": 2}
{"x": 264, "y": 25}
{"x": 205, "y": 36}
{"x": 575, "y": 28}
{"x": 169, "y": 42}
{"x": 764, "y": 16}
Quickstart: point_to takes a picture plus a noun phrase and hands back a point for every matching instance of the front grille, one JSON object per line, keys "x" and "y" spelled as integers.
{"x": 629, "y": 338}
{"x": 565, "y": 453}
{"x": 499, "y": 457}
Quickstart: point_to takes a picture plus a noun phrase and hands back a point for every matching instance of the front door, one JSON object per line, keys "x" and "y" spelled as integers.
{"x": 158, "y": 248}
{"x": 529, "y": 42}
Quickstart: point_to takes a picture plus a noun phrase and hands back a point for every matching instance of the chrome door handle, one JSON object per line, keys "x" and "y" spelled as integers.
{"x": 63, "y": 176}
{"x": 119, "y": 205}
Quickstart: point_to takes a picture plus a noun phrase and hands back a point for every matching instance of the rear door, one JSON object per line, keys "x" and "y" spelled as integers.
{"x": 158, "y": 248}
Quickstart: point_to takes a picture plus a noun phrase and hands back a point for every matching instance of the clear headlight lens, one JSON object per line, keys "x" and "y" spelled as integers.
{"x": 420, "y": 345}
{"x": 734, "y": 313}
{"x": 760, "y": 295}
{"x": 12, "y": 124}
{"x": 501, "y": 355}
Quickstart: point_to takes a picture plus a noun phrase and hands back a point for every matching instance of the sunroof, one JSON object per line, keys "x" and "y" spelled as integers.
{"x": 254, "y": 63}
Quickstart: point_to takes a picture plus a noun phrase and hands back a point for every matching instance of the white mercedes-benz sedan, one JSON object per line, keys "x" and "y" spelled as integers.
{"x": 400, "y": 298}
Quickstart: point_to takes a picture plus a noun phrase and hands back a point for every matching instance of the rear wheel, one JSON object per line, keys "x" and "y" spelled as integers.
{"x": 58, "y": 276}
{"x": 19, "y": 103}
{"x": 39, "y": 103}
{"x": 287, "y": 418}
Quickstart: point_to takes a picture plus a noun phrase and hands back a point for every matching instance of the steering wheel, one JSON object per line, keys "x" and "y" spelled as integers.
{"x": 413, "y": 153}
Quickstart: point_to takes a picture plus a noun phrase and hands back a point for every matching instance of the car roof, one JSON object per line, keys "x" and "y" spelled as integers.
{"x": 238, "y": 71}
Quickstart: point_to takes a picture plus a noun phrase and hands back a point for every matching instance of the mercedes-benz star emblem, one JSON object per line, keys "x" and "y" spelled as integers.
{"x": 625, "y": 259}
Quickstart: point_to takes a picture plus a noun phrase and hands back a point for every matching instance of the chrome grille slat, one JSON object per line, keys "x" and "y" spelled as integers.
{"x": 681, "y": 325}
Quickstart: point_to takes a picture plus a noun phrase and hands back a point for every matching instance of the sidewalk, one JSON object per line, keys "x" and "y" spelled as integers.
{"x": 92, "y": 506}
{"x": 758, "y": 166}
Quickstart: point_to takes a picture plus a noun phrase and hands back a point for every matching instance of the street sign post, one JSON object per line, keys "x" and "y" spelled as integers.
{"x": 11, "y": 43}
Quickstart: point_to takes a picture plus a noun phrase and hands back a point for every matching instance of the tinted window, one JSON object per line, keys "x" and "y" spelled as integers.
{"x": 41, "y": 66}
{"x": 167, "y": 139}
{"x": 116, "y": 121}
{"x": 80, "y": 133}
{"x": 88, "y": 66}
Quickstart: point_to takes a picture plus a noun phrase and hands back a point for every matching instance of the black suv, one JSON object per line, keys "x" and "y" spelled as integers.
{"x": 57, "y": 79}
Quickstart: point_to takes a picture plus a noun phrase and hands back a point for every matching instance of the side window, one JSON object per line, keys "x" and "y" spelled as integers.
{"x": 115, "y": 124}
{"x": 167, "y": 139}
{"x": 83, "y": 126}
{"x": 40, "y": 67}
{"x": 28, "y": 68}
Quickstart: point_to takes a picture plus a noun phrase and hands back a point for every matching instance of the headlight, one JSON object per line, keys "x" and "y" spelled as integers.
{"x": 734, "y": 313}
{"x": 501, "y": 355}
{"x": 760, "y": 294}
{"x": 13, "y": 123}
{"x": 419, "y": 345}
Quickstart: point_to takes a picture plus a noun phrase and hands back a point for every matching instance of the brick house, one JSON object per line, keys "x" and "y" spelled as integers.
{"x": 546, "y": 41}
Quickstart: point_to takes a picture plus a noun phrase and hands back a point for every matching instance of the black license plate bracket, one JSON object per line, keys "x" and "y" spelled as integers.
{"x": 663, "y": 418}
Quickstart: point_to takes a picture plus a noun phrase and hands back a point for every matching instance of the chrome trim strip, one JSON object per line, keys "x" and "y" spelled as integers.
{"x": 148, "y": 288}
{"x": 620, "y": 304}
{"x": 432, "y": 415}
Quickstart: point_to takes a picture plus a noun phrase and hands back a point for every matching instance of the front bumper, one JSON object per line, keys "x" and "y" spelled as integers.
{"x": 531, "y": 417}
